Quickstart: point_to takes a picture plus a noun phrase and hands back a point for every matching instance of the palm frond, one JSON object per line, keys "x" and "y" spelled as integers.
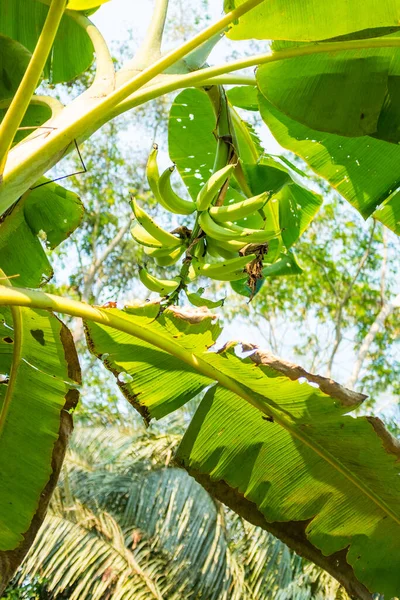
{"x": 85, "y": 553}
{"x": 126, "y": 524}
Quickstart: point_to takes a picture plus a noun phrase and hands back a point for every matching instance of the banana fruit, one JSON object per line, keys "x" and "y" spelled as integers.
{"x": 165, "y": 238}
{"x": 153, "y": 175}
{"x": 210, "y": 189}
{"x": 197, "y": 299}
{"x": 239, "y": 210}
{"x": 171, "y": 200}
{"x": 143, "y": 238}
{"x": 161, "y": 286}
{"x": 222, "y": 269}
{"x": 216, "y": 250}
{"x": 165, "y": 257}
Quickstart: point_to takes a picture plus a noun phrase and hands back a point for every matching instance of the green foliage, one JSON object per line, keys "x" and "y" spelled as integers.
{"x": 312, "y": 20}
{"x": 279, "y": 450}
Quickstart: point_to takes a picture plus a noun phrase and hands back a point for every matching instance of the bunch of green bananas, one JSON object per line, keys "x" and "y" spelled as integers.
{"x": 216, "y": 233}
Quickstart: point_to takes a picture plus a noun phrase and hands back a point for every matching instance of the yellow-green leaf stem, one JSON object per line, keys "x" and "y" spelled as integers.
{"x": 41, "y": 157}
{"x": 36, "y": 299}
{"x": 26, "y": 89}
{"x": 105, "y": 71}
{"x": 212, "y": 75}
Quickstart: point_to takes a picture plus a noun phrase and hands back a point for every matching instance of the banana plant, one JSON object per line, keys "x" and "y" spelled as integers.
{"x": 269, "y": 440}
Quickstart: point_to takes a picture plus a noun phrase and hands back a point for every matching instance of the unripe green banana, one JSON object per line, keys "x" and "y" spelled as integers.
{"x": 141, "y": 236}
{"x": 171, "y": 200}
{"x": 197, "y": 300}
{"x": 222, "y": 269}
{"x": 165, "y": 257}
{"x": 166, "y": 239}
{"x": 231, "y": 276}
{"x": 230, "y": 246}
{"x": 153, "y": 175}
{"x": 239, "y": 210}
{"x": 161, "y": 286}
{"x": 233, "y": 232}
{"x": 211, "y": 188}
{"x": 215, "y": 250}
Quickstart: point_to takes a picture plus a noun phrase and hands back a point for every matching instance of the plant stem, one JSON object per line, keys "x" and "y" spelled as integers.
{"x": 209, "y": 74}
{"x": 104, "y": 80}
{"x": 30, "y": 80}
{"x": 150, "y": 50}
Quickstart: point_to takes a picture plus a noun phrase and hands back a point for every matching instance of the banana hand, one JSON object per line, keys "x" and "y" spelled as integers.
{"x": 165, "y": 238}
{"x": 161, "y": 286}
{"x": 171, "y": 200}
{"x": 210, "y": 189}
{"x": 239, "y": 210}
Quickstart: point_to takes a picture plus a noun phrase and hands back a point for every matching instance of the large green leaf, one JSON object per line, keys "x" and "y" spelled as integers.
{"x": 38, "y": 112}
{"x": 363, "y": 170}
{"x": 350, "y": 93}
{"x": 72, "y": 53}
{"x": 297, "y": 208}
{"x": 39, "y": 374}
{"x": 315, "y": 20}
{"x": 192, "y": 144}
{"x": 326, "y": 483}
{"x": 49, "y": 212}
{"x": 14, "y": 59}
{"x": 133, "y": 362}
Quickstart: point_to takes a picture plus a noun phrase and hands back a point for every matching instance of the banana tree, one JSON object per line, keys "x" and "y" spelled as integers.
{"x": 269, "y": 440}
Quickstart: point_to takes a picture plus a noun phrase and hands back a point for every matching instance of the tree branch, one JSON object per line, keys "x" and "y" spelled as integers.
{"x": 97, "y": 263}
{"x": 379, "y": 323}
{"x": 343, "y": 302}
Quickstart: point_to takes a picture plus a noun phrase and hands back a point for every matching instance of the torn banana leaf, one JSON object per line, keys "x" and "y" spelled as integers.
{"x": 269, "y": 440}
